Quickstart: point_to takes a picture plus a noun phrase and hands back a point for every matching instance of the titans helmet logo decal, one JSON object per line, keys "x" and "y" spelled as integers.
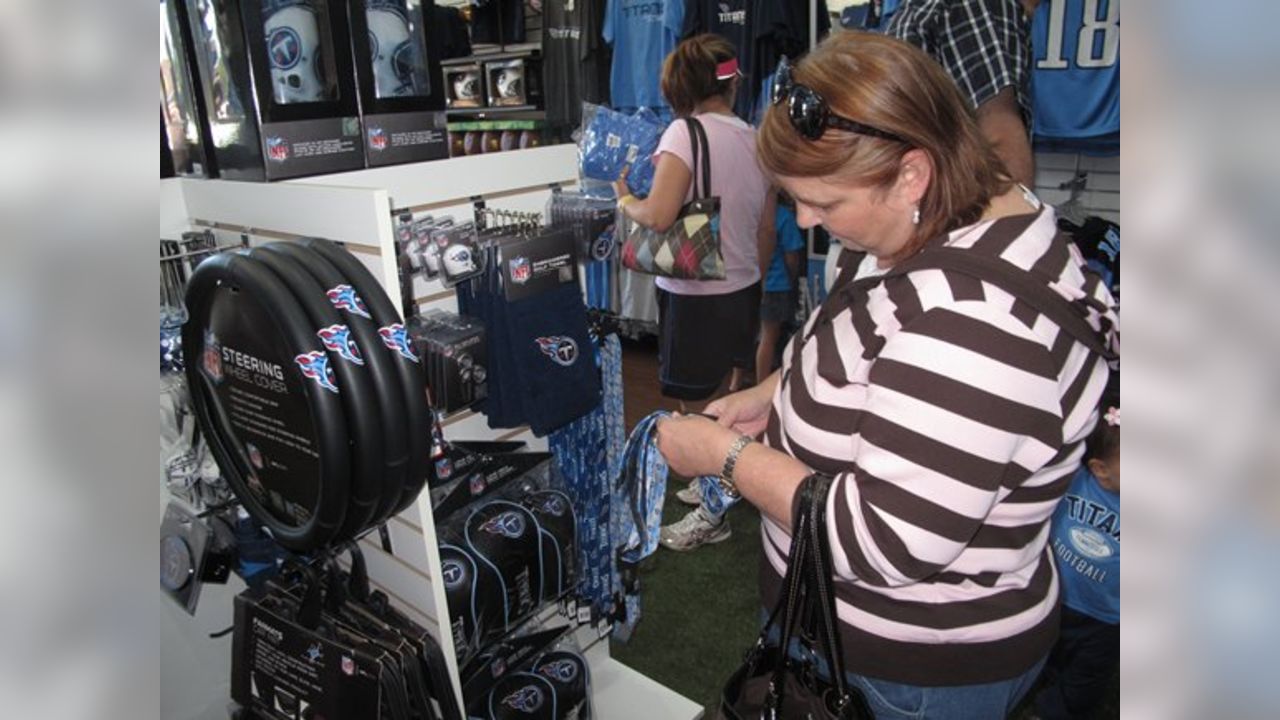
{"x": 285, "y": 47}
{"x": 344, "y": 297}
{"x": 453, "y": 573}
{"x": 337, "y": 338}
{"x": 527, "y": 699}
{"x": 562, "y": 350}
{"x": 507, "y": 524}
{"x": 561, "y": 670}
{"x": 554, "y": 505}
{"x": 395, "y": 338}
{"x": 315, "y": 365}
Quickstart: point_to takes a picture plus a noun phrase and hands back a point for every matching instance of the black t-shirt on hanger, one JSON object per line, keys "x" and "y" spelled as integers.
{"x": 448, "y": 32}
{"x": 575, "y": 58}
{"x": 744, "y": 23}
{"x": 498, "y": 22}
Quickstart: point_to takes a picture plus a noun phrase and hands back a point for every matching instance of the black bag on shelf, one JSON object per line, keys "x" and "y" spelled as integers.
{"x": 769, "y": 684}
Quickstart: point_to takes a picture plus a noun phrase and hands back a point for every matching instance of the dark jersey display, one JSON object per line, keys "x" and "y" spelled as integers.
{"x": 744, "y": 23}
{"x": 575, "y": 58}
{"x": 498, "y": 21}
{"x": 449, "y": 32}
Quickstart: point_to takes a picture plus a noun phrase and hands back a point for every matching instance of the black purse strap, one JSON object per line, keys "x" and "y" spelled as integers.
{"x": 795, "y": 589}
{"x": 701, "y": 158}
{"x": 821, "y": 590}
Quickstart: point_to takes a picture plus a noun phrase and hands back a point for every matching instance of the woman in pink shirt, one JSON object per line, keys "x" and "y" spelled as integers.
{"x": 707, "y": 328}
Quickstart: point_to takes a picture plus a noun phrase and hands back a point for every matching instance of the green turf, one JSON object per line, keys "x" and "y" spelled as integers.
{"x": 700, "y": 610}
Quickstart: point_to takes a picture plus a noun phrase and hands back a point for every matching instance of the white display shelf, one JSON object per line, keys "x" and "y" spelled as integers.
{"x": 355, "y": 208}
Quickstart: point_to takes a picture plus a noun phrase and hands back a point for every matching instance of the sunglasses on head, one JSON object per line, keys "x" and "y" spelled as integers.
{"x": 808, "y": 110}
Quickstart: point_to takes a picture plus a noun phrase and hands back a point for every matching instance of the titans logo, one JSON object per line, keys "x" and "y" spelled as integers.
{"x": 338, "y": 339}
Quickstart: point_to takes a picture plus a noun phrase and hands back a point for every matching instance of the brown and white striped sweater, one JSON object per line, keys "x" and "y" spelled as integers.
{"x": 952, "y": 417}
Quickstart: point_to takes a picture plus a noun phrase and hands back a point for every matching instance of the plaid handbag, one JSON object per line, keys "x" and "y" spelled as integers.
{"x": 690, "y": 248}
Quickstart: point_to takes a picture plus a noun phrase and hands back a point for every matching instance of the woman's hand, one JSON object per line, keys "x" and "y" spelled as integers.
{"x": 620, "y": 188}
{"x": 694, "y": 445}
{"x": 746, "y": 411}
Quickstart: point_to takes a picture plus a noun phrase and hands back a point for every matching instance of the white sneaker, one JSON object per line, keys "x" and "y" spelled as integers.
{"x": 691, "y": 494}
{"x": 694, "y": 530}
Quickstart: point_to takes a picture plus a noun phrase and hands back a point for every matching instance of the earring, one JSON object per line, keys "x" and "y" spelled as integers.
{"x": 915, "y": 216}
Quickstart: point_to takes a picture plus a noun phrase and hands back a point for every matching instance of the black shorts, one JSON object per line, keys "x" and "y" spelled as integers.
{"x": 778, "y": 307}
{"x": 701, "y": 337}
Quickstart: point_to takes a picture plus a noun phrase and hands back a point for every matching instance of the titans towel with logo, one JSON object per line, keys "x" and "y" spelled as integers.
{"x": 552, "y": 352}
{"x": 1076, "y": 76}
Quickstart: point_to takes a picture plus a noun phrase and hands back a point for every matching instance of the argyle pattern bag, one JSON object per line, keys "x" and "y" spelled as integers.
{"x": 690, "y": 248}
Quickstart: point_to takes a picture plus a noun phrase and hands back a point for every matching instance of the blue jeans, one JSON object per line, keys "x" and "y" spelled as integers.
{"x": 897, "y": 701}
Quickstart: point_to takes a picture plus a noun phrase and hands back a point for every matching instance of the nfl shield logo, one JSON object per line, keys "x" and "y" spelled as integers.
{"x": 212, "y": 357}
{"x": 520, "y": 270}
{"x": 277, "y": 149}
{"x": 377, "y": 139}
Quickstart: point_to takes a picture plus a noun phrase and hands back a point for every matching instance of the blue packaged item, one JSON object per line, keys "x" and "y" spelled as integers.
{"x": 612, "y": 141}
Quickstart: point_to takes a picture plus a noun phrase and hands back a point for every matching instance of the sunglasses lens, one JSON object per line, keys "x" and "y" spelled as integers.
{"x": 808, "y": 112}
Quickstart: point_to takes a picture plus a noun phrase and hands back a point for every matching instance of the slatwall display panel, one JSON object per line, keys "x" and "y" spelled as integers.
{"x": 355, "y": 208}
{"x": 1101, "y": 195}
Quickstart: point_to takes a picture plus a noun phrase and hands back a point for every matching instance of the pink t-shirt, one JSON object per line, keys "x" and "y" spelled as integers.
{"x": 737, "y": 179}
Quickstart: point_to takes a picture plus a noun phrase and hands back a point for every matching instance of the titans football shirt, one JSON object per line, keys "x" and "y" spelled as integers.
{"x": 1086, "y": 546}
{"x": 1076, "y": 70}
{"x": 642, "y": 33}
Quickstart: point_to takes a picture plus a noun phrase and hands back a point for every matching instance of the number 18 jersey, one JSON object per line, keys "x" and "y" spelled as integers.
{"x": 1076, "y": 77}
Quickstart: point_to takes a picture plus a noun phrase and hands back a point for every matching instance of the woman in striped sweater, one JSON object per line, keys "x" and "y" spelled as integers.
{"x": 951, "y": 413}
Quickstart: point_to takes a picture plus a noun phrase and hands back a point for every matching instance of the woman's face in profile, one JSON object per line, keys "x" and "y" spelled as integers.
{"x": 861, "y": 218}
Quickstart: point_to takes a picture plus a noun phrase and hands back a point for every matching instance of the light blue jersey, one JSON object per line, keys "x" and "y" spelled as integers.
{"x": 1086, "y": 546}
{"x": 1076, "y": 69}
{"x": 642, "y": 33}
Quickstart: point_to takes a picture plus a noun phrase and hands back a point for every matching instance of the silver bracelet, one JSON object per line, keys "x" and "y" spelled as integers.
{"x": 730, "y": 462}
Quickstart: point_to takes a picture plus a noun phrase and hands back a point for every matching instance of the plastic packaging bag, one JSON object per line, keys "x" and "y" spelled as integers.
{"x": 611, "y": 141}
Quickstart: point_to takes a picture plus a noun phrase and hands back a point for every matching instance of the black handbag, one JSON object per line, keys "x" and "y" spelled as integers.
{"x": 771, "y": 685}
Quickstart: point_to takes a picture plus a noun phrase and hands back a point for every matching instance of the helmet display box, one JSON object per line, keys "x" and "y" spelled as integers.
{"x": 278, "y": 86}
{"x": 397, "y": 75}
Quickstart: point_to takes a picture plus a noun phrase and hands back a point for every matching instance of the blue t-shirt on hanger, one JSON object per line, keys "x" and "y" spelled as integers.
{"x": 642, "y": 33}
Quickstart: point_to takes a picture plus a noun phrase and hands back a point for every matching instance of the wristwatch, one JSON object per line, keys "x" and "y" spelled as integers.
{"x": 725, "y": 480}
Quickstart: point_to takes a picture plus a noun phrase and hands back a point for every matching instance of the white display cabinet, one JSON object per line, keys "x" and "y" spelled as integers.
{"x": 355, "y": 209}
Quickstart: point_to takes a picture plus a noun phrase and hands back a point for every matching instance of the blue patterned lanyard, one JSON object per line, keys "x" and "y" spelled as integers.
{"x": 640, "y": 487}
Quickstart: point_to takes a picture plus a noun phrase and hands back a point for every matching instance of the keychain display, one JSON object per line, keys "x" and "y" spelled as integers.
{"x": 592, "y": 220}
{"x": 440, "y": 248}
{"x": 454, "y": 351}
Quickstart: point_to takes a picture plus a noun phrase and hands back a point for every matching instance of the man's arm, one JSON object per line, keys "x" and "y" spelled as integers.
{"x": 1000, "y": 120}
